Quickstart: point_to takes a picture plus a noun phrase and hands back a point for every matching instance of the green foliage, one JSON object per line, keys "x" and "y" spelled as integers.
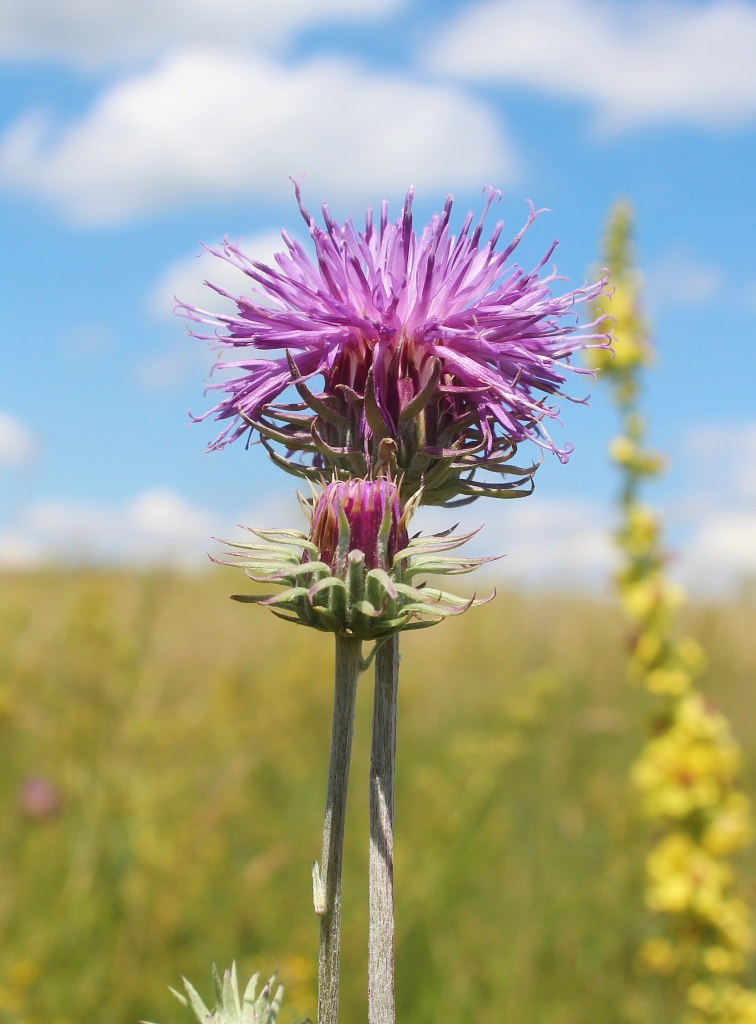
{"x": 187, "y": 739}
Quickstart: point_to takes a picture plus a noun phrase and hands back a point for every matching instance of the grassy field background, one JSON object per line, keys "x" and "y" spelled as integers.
{"x": 187, "y": 738}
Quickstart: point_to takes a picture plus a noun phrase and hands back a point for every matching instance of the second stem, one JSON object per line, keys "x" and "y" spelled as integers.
{"x": 382, "y": 766}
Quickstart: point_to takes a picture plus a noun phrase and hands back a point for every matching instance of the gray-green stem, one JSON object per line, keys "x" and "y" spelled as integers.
{"x": 327, "y": 877}
{"x": 382, "y": 765}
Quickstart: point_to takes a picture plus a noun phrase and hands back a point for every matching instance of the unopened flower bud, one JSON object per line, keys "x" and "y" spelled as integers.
{"x": 359, "y": 515}
{"x": 355, "y": 573}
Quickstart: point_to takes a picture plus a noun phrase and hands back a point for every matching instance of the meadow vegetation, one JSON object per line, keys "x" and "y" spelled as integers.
{"x": 185, "y": 741}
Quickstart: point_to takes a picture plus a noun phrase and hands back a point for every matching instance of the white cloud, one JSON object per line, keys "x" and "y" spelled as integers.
{"x": 17, "y": 445}
{"x": 718, "y": 512}
{"x": 709, "y": 526}
{"x": 18, "y": 551}
{"x": 729, "y": 450}
{"x": 169, "y": 369}
{"x": 93, "y": 32}
{"x": 203, "y": 126}
{"x": 157, "y": 526}
{"x": 723, "y": 547}
{"x": 679, "y": 278}
{"x": 636, "y": 62}
{"x": 545, "y": 541}
{"x": 184, "y": 279}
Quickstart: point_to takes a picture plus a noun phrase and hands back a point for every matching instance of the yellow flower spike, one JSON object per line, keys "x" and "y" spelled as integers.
{"x": 719, "y": 960}
{"x": 732, "y": 917}
{"x": 628, "y": 349}
{"x": 699, "y": 719}
{"x": 654, "y": 595}
{"x": 701, "y": 997}
{"x": 691, "y": 654}
{"x": 684, "y": 877}
{"x": 673, "y": 873}
{"x": 674, "y": 596}
{"x": 689, "y": 767}
{"x": 635, "y": 425}
{"x": 620, "y": 304}
{"x": 641, "y": 519}
{"x": 685, "y": 775}
{"x": 10, "y": 1001}
{"x": 731, "y": 827}
{"x": 739, "y": 1005}
{"x": 641, "y": 461}
{"x": 629, "y": 343}
{"x": 648, "y": 648}
{"x": 622, "y": 450}
{"x": 640, "y": 599}
{"x": 673, "y": 681}
{"x": 658, "y": 956}
{"x": 23, "y": 974}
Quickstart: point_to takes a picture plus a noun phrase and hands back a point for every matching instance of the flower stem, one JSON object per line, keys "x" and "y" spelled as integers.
{"x": 327, "y": 878}
{"x": 382, "y": 764}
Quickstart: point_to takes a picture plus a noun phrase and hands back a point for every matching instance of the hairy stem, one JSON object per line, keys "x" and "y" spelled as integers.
{"x": 382, "y": 764}
{"x": 327, "y": 878}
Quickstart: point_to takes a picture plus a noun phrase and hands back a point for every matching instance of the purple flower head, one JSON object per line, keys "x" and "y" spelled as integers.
{"x": 359, "y": 515}
{"x": 436, "y": 356}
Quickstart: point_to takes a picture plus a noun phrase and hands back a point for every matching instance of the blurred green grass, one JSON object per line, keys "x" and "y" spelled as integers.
{"x": 188, "y": 738}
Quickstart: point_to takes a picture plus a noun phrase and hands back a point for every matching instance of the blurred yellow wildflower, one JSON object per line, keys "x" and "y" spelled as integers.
{"x": 720, "y": 960}
{"x": 687, "y": 772}
{"x": 731, "y": 826}
{"x": 23, "y": 974}
{"x": 627, "y": 452}
{"x": 690, "y": 766}
{"x": 630, "y": 347}
{"x": 727, "y": 1004}
{"x": 651, "y": 596}
{"x": 684, "y": 877}
{"x": 659, "y": 956}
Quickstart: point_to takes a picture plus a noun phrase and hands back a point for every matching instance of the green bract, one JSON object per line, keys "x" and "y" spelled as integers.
{"x": 230, "y": 1007}
{"x": 367, "y": 604}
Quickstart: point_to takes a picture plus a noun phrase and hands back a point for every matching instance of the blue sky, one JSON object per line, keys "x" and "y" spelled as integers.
{"x": 131, "y": 130}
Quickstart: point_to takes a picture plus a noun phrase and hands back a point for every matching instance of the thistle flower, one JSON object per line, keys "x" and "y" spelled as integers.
{"x": 436, "y": 356}
{"x": 354, "y": 574}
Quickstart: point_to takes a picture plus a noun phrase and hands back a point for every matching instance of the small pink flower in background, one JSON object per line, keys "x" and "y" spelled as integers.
{"x": 38, "y": 798}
